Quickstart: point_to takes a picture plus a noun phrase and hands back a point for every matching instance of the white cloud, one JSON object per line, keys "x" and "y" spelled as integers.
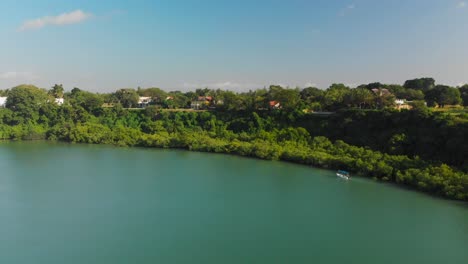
{"x": 227, "y": 85}
{"x": 242, "y": 87}
{"x": 347, "y": 9}
{"x": 352, "y": 85}
{"x": 461, "y": 4}
{"x": 8, "y": 75}
{"x": 13, "y": 75}
{"x": 73, "y": 17}
{"x": 310, "y": 84}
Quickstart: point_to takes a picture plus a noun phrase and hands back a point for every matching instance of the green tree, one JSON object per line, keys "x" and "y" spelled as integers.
{"x": 311, "y": 94}
{"x": 424, "y": 84}
{"x": 288, "y": 98}
{"x": 464, "y": 94}
{"x": 383, "y": 98}
{"x": 413, "y": 95}
{"x": 254, "y": 100}
{"x": 408, "y": 94}
{"x": 180, "y": 100}
{"x": 370, "y": 86}
{"x": 231, "y": 101}
{"x": 155, "y": 93}
{"x": 4, "y": 92}
{"x": 359, "y": 97}
{"x": 202, "y": 92}
{"x": 395, "y": 89}
{"x": 443, "y": 95}
{"x": 334, "y": 96}
{"x": 128, "y": 98}
{"x": 57, "y": 91}
{"x": 25, "y": 101}
{"x": 312, "y": 97}
{"x": 421, "y": 108}
{"x": 89, "y": 101}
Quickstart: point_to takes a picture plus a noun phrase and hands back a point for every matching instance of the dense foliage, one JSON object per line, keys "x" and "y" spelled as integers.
{"x": 417, "y": 148}
{"x": 436, "y": 136}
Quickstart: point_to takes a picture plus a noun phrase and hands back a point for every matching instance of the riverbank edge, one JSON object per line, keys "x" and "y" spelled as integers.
{"x": 279, "y": 157}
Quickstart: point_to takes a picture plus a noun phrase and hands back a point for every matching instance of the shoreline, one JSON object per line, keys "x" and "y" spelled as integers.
{"x": 328, "y": 168}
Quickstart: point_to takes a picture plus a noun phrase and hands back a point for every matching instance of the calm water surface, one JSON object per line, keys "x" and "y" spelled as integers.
{"x": 98, "y": 204}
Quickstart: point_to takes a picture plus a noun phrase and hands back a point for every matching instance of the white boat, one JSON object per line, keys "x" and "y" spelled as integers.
{"x": 343, "y": 174}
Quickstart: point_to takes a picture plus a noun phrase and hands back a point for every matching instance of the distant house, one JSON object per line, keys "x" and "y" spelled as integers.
{"x": 403, "y": 104}
{"x": 274, "y": 105}
{"x": 3, "y": 102}
{"x": 196, "y": 105}
{"x": 144, "y": 101}
{"x": 400, "y": 101}
{"x": 59, "y": 101}
{"x": 201, "y": 102}
{"x": 207, "y": 99}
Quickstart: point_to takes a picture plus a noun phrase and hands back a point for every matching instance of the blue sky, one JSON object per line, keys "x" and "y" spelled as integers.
{"x": 185, "y": 44}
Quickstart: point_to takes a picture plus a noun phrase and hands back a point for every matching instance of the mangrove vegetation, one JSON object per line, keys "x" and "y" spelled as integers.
{"x": 356, "y": 129}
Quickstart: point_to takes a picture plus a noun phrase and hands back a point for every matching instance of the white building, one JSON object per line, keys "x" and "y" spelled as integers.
{"x": 400, "y": 101}
{"x": 196, "y": 105}
{"x": 59, "y": 101}
{"x": 144, "y": 101}
{"x": 3, "y": 102}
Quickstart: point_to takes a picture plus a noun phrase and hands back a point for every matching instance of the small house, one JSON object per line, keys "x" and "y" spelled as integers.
{"x": 201, "y": 102}
{"x": 274, "y": 105}
{"x": 205, "y": 98}
{"x": 3, "y": 102}
{"x": 403, "y": 104}
{"x": 196, "y": 105}
{"x": 144, "y": 101}
{"x": 59, "y": 101}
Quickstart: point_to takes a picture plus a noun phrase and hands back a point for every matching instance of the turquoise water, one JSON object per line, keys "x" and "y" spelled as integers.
{"x": 63, "y": 203}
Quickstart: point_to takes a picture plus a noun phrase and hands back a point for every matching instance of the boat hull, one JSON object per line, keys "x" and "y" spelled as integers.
{"x": 343, "y": 176}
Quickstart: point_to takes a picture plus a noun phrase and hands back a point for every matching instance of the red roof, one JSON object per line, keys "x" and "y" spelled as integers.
{"x": 273, "y": 103}
{"x": 205, "y": 98}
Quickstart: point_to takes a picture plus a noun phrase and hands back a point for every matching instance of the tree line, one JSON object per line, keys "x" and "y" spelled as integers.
{"x": 420, "y": 92}
{"x": 336, "y": 97}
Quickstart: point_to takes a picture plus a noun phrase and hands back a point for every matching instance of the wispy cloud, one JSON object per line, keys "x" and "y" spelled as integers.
{"x": 310, "y": 84}
{"x": 461, "y": 4}
{"x": 73, "y": 17}
{"x": 13, "y": 75}
{"x": 347, "y": 9}
{"x": 222, "y": 85}
{"x": 352, "y": 85}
